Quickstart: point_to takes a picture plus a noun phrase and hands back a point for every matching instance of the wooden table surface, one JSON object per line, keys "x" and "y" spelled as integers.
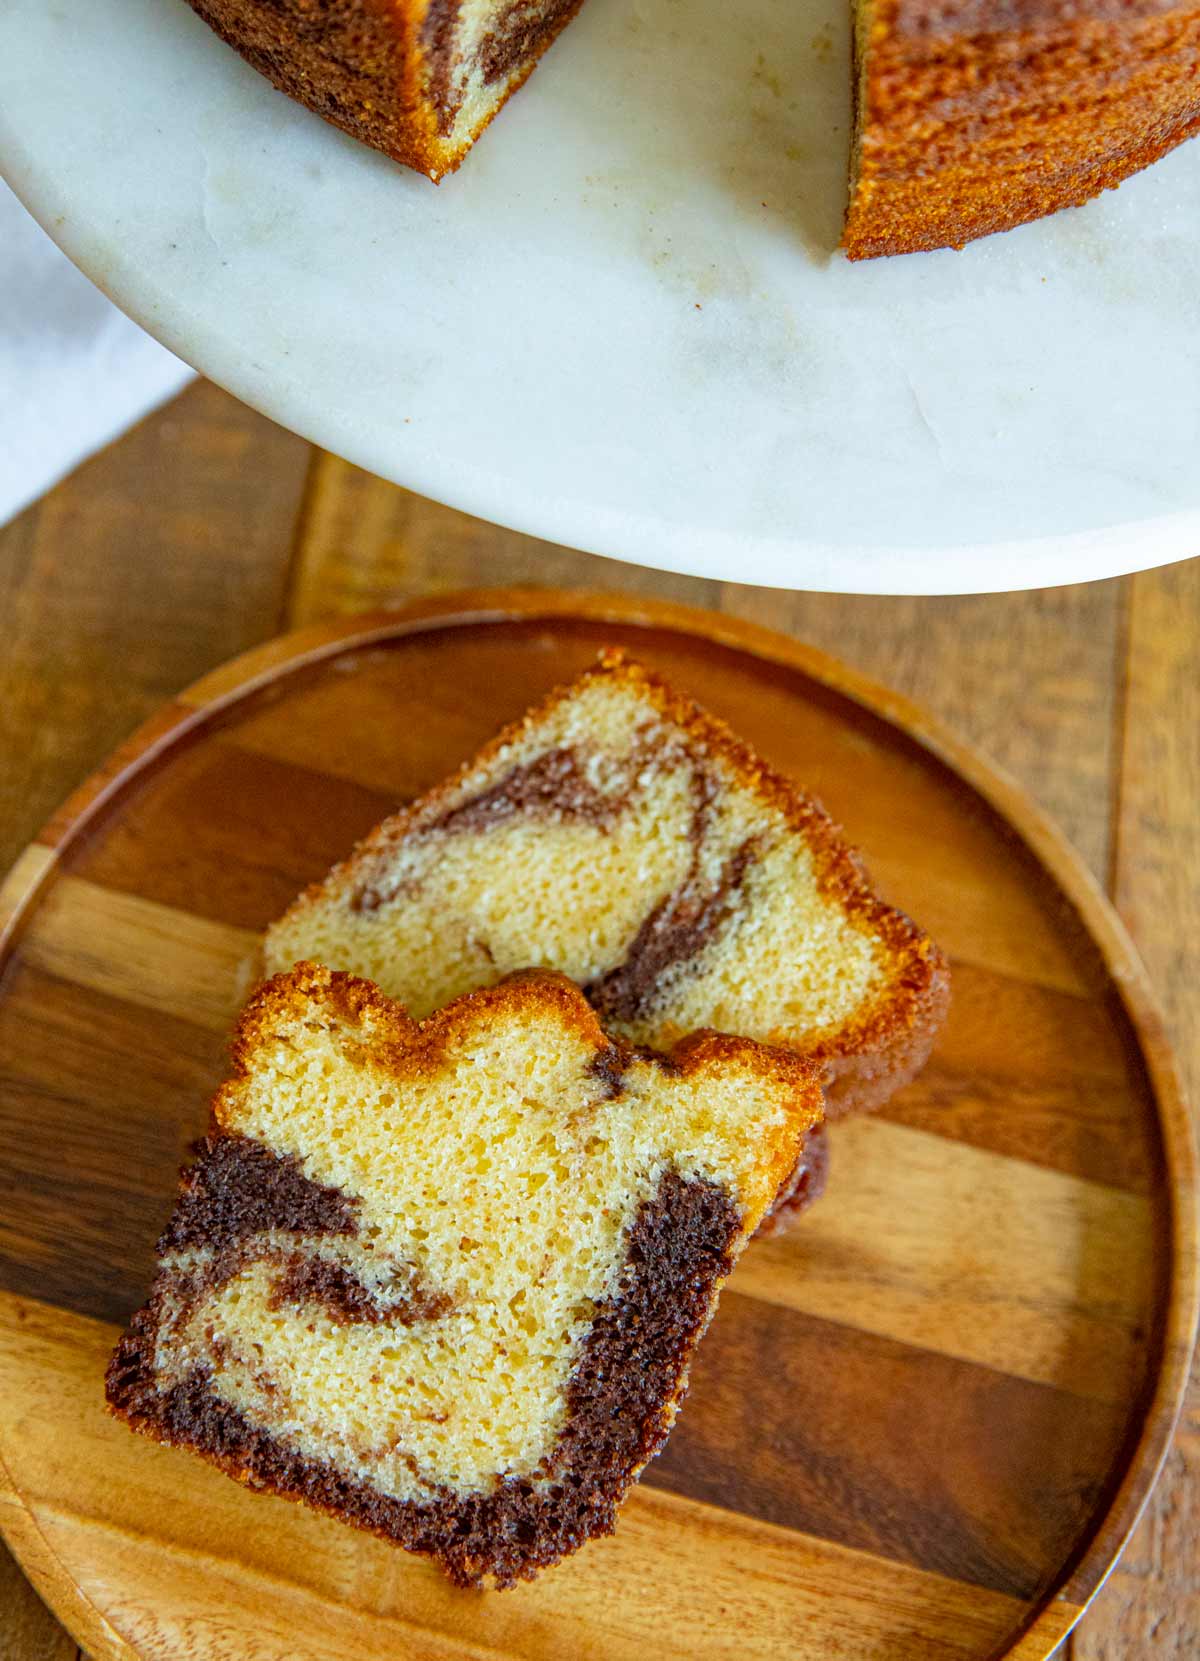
{"x": 208, "y": 530}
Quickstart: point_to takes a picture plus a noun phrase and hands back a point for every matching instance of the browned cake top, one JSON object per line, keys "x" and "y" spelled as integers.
{"x": 974, "y": 118}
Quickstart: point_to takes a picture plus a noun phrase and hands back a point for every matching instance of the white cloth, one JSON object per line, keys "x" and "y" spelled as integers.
{"x": 74, "y": 371}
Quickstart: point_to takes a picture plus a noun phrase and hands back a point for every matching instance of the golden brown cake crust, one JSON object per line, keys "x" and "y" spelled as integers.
{"x": 976, "y": 118}
{"x": 354, "y": 62}
{"x": 405, "y": 1048}
{"x": 367, "y": 66}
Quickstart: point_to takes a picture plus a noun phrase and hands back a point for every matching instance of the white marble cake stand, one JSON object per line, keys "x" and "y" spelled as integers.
{"x": 622, "y": 324}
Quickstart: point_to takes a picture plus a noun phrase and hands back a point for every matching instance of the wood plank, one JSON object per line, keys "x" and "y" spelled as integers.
{"x": 82, "y": 1210}
{"x": 1040, "y": 1075}
{"x": 860, "y": 1440}
{"x": 738, "y": 1587}
{"x": 161, "y": 556}
{"x": 1150, "y": 1606}
{"x": 143, "y": 953}
{"x": 366, "y": 545}
{"x": 1156, "y": 869}
{"x": 1030, "y": 678}
{"x": 973, "y": 1255}
{"x": 231, "y": 835}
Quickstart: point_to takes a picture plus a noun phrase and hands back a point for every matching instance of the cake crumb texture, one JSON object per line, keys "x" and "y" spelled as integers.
{"x": 444, "y": 1279}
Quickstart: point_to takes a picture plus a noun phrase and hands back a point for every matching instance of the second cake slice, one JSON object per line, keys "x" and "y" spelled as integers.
{"x": 625, "y": 837}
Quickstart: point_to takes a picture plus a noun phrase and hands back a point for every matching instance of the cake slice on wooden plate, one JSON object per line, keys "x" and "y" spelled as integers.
{"x": 625, "y": 837}
{"x": 444, "y": 1279}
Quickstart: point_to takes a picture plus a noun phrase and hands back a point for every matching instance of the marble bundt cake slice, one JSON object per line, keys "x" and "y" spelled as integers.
{"x": 625, "y": 837}
{"x": 417, "y": 79}
{"x": 444, "y": 1280}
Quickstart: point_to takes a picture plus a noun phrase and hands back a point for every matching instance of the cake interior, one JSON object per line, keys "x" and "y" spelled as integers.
{"x": 606, "y": 841}
{"x": 397, "y": 1249}
{"x": 476, "y": 53}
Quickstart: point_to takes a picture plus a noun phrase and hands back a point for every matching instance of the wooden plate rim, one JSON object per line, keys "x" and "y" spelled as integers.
{"x": 206, "y": 699}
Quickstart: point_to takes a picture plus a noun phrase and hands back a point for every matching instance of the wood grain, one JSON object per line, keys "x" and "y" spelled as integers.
{"x": 946, "y": 1372}
{"x": 143, "y": 953}
{"x": 208, "y": 493}
{"x": 1030, "y": 678}
{"x": 864, "y": 1441}
{"x": 72, "y": 1055}
{"x": 185, "y": 856}
{"x": 979, "y": 1231}
{"x": 1151, "y": 1604}
{"x": 367, "y": 545}
{"x": 28, "y": 1628}
{"x": 1037, "y": 1099}
{"x": 155, "y": 560}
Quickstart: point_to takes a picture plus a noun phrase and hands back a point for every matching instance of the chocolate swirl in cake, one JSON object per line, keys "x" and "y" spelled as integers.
{"x": 517, "y": 1231}
{"x": 242, "y": 1203}
{"x": 349, "y": 1299}
{"x": 678, "y": 1250}
{"x": 561, "y": 784}
{"x": 237, "y": 1188}
{"x": 682, "y": 923}
{"x": 557, "y": 784}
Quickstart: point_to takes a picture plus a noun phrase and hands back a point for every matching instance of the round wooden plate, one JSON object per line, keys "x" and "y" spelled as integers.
{"x": 922, "y": 1424}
